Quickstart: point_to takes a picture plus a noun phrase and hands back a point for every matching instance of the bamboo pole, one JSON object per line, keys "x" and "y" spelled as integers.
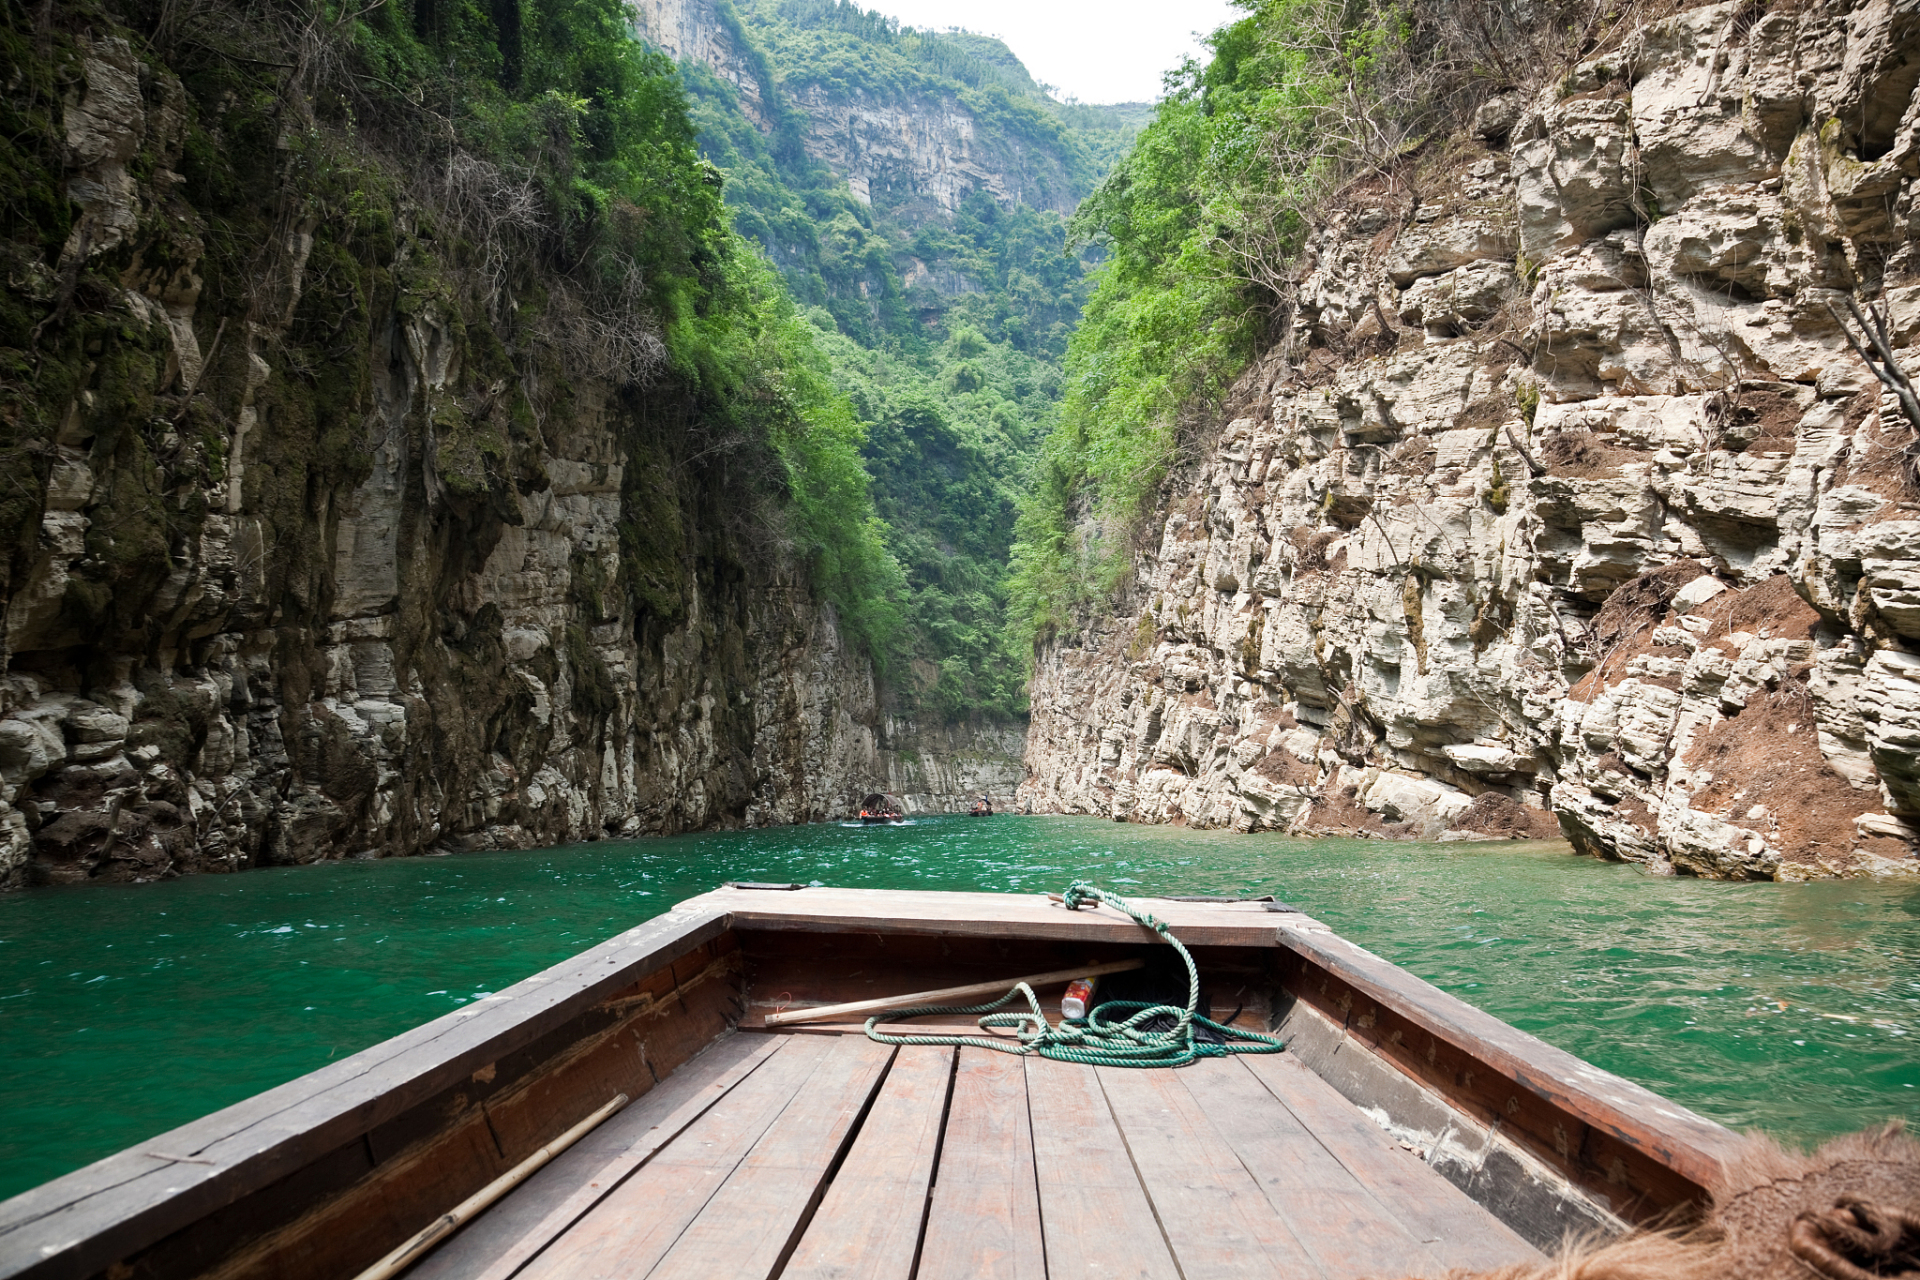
{"x": 949, "y": 994}
{"x": 445, "y": 1225}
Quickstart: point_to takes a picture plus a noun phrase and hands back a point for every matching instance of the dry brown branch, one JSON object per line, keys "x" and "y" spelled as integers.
{"x": 615, "y": 338}
{"x": 496, "y": 213}
{"x": 1533, "y": 464}
{"x": 1880, "y": 361}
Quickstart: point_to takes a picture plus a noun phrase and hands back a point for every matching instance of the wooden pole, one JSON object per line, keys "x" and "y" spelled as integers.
{"x": 947, "y": 995}
{"x": 445, "y": 1225}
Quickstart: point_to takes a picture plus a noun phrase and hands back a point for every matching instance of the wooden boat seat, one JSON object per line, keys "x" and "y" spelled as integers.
{"x": 829, "y": 1155}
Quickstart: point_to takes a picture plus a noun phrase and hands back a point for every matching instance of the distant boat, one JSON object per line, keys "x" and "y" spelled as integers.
{"x": 881, "y": 807}
{"x": 982, "y": 808}
{"x": 1403, "y": 1132}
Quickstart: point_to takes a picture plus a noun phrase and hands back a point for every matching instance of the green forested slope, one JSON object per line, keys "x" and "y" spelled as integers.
{"x": 944, "y": 329}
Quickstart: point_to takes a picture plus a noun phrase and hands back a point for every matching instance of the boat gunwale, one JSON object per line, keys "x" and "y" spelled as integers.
{"x": 1684, "y": 1140}
{"x": 43, "y": 1231}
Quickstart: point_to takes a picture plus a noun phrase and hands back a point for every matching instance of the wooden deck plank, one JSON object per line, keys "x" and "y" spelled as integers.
{"x": 868, "y": 1225}
{"x": 1346, "y": 1230}
{"x": 751, "y": 1225}
{"x": 629, "y": 1231}
{"x": 502, "y": 1239}
{"x": 1459, "y": 1232}
{"x": 1094, "y": 1213}
{"x": 1215, "y": 1215}
{"x": 985, "y": 1217}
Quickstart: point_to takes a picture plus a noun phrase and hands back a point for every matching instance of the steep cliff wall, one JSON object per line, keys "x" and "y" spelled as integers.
{"x": 1579, "y": 513}
{"x": 922, "y": 157}
{"x": 310, "y": 565}
{"x": 943, "y": 768}
{"x": 902, "y": 146}
{"x": 693, "y": 30}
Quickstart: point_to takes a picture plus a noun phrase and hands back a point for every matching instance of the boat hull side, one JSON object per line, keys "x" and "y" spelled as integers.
{"x": 323, "y": 1175}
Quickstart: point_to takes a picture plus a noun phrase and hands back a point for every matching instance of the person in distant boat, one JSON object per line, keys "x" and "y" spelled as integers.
{"x": 982, "y": 808}
{"x": 880, "y": 807}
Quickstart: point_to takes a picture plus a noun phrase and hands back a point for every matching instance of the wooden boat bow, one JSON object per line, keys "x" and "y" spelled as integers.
{"x": 325, "y": 1174}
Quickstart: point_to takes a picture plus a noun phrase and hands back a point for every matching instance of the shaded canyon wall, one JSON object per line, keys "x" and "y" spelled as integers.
{"x": 329, "y": 575}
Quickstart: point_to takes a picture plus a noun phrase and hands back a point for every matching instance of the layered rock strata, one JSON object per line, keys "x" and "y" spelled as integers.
{"x": 377, "y": 594}
{"x": 942, "y": 768}
{"x": 1579, "y": 513}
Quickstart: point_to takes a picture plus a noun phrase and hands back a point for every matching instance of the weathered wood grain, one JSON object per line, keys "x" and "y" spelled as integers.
{"x": 1348, "y": 1232}
{"x": 753, "y": 1222}
{"x": 1215, "y": 1216}
{"x": 513, "y": 1231}
{"x": 1458, "y": 1232}
{"x": 630, "y": 1230}
{"x": 868, "y": 1225}
{"x": 1094, "y": 1213}
{"x": 984, "y": 1220}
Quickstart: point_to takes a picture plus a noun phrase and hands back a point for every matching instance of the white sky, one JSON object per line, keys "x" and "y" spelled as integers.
{"x": 1093, "y": 50}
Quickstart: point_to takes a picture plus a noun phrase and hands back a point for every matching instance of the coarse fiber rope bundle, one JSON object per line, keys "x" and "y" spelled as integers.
{"x": 1098, "y": 1041}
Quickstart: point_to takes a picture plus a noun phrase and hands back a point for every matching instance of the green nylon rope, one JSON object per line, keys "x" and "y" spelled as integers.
{"x": 1097, "y": 1040}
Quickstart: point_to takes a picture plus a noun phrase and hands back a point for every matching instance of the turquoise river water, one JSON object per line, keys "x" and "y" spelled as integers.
{"x": 126, "y": 1010}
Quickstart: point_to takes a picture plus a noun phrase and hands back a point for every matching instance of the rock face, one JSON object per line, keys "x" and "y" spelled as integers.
{"x": 941, "y": 768}
{"x": 693, "y": 29}
{"x": 920, "y": 154}
{"x": 922, "y": 157}
{"x": 1579, "y": 514}
{"x": 405, "y": 611}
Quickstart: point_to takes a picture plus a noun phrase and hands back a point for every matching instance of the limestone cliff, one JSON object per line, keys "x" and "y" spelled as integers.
{"x": 334, "y": 574}
{"x": 942, "y": 768}
{"x": 1574, "y": 510}
{"x": 918, "y": 153}
{"x": 693, "y": 30}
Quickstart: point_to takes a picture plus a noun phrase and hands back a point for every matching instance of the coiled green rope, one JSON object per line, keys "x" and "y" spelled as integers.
{"x": 1098, "y": 1040}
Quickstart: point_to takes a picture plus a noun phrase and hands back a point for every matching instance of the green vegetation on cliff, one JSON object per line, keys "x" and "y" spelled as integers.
{"x": 945, "y": 327}
{"x": 520, "y": 176}
{"x": 1174, "y": 315}
{"x": 1201, "y": 223}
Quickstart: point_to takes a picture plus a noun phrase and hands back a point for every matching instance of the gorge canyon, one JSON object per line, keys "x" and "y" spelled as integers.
{"x": 1562, "y": 503}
